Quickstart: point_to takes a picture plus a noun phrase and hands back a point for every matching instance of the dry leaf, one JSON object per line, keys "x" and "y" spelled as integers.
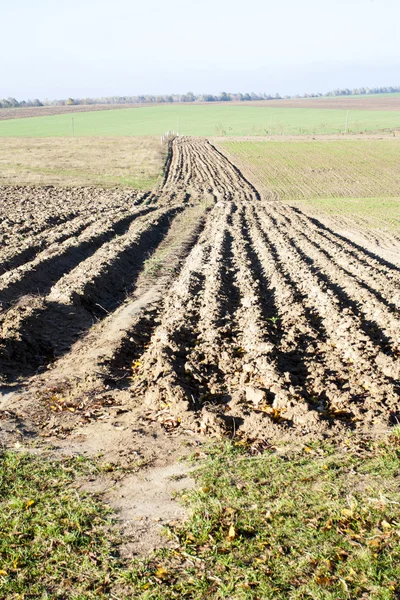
{"x": 374, "y": 543}
{"x": 162, "y": 573}
{"x": 323, "y": 580}
{"x": 231, "y": 533}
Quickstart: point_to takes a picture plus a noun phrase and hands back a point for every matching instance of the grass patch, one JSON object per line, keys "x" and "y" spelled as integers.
{"x": 105, "y": 162}
{"x": 319, "y": 524}
{"x": 202, "y": 120}
{"x": 54, "y": 541}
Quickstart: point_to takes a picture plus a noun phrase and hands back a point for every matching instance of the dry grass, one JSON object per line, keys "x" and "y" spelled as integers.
{"x": 107, "y": 162}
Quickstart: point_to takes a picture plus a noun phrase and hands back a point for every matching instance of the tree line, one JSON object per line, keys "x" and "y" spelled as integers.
{"x": 189, "y": 97}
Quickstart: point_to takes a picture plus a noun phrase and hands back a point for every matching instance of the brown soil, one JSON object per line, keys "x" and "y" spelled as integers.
{"x": 48, "y": 111}
{"x": 391, "y": 103}
{"x": 132, "y": 322}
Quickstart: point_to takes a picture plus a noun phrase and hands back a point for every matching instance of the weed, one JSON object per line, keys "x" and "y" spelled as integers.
{"x": 395, "y": 432}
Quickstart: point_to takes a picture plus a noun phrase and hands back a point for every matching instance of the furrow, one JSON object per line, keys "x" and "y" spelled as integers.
{"x": 164, "y": 375}
{"x": 211, "y": 362}
{"x": 269, "y": 380}
{"x": 14, "y": 257}
{"x": 369, "y": 317}
{"x": 40, "y": 274}
{"x": 343, "y": 329}
{"x": 114, "y": 263}
{"x": 368, "y": 259}
{"x": 378, "y": 318}
{"x": 306, "y": 355}
{"x": 361, "y": 270}
{"x": 38, "y": 329}
{"x": 108, "y": 354}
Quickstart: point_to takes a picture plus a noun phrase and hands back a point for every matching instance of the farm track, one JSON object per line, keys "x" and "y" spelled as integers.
{"x": 260, "y": 321}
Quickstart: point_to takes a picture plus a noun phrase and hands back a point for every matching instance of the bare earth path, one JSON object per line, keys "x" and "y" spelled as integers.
{"x": 202, "y": 308}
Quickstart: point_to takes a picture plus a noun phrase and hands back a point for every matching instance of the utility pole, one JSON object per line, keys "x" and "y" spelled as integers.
{"x": 347, "y": 122}
{"x": 73, "y": 129}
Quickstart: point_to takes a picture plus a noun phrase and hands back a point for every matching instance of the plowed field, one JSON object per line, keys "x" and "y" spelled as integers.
{"x": 214, "y": 309}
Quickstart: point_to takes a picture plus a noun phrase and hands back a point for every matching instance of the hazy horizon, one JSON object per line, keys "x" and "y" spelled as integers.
{"x": 100, "y": 49}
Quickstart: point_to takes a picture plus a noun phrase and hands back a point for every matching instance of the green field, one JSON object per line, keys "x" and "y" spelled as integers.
{"x": 210, "y": 120}
{"x": 299, "y": 170}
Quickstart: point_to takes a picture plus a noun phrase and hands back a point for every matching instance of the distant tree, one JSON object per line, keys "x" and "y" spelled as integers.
{"x": 189, "y": 97}
{"x": 206, "y": 98}
{"x": 12, "y": 102}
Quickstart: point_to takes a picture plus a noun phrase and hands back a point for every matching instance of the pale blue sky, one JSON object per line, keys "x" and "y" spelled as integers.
{"x": 126, "y": 47}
